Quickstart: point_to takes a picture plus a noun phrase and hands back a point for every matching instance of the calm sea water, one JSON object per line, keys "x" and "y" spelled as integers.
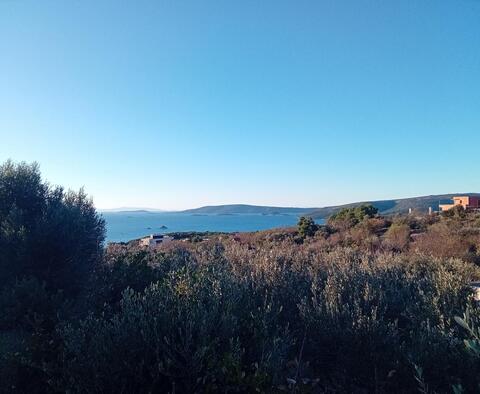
{"x": 125, "y": 226}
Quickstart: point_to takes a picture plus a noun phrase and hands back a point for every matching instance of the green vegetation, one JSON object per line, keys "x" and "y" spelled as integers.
{"x": 371, "y": 306}
{"x": 46, "y": 233}
{"x": 352, "y": 216}
{"x": 306, "y": 227}
{"x": 393, "y": 207}
{"x": 402, "y": 206}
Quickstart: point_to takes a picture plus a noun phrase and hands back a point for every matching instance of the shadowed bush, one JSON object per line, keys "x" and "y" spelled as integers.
{"x": 277, "y": 321}
{"x": 46, "y": 233}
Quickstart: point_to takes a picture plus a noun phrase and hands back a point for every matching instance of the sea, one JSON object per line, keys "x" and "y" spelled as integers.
{"x": 125, "y": 226}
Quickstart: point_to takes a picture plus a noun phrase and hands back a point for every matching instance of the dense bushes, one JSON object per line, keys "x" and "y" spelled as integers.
{"x": 363, "y": 304}
{"x": 348, "y": 217}
{"x": 398, "y": 236}
{"x": 185, "y": 333}
{"x": 317, "y": 321}
{"x": 51, "y": 241}
{"x": 46, "y": 233}
{"x": 307, "y": 227}
{"x": 266, "y": 316}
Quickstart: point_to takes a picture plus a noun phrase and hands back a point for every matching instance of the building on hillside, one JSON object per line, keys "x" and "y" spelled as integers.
{"x": 466, "y": 202}
{"x": 154, "y": 240}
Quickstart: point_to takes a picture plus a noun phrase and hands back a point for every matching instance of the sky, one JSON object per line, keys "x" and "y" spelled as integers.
{"x": 180, "y": 104}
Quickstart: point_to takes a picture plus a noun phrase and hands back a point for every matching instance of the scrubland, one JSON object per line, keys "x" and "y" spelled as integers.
{"x": 362, "y": 304}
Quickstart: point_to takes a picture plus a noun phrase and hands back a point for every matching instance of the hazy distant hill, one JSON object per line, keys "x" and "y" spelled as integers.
{"x": 243, "y": 209}
{"x": 130, "y": 210}
{"x": 387, "y": 207}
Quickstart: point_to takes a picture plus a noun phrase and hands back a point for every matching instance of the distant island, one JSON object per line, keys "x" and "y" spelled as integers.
{"x": 385, "y": 207}
{"x": 130, "y": 210}
{"x": 244, "y": 209}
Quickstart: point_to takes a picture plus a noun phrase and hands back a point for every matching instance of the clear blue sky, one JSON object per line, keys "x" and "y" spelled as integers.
{"x": 177, "y": 104}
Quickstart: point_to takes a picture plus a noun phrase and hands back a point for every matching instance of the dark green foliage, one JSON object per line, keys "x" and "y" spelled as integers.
{"x": 355, "y": 215}
{"x": 211, "y": 327}
{"x": 306, "y": 227}
{"x": 470, "y": 321}
{"x": 30, "y": 315}
{"x": 50, "y": 243}
{"x": 359, "y": 305}
{"x": 46, "y": 233}
{"x": 194, "y": 234}
{"x": 26, "y": 305}
{"x": 184, "y": 333}
{"x": 219, "y": 317}
{"x": 120, "y": 271}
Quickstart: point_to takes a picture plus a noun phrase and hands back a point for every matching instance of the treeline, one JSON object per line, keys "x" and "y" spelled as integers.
{"x": 363, "y": 304}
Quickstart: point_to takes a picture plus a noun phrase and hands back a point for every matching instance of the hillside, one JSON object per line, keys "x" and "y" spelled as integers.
{"x": 243, "y": 209}
{"x": 389, "y": 207}
{"x": 385, "y": 207}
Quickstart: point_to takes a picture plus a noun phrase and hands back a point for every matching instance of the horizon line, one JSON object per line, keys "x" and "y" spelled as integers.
{"x": 120, "y": 209}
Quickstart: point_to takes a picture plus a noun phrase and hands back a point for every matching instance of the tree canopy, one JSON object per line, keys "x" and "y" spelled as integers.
{"x": 306, "y": 227}
{"x": 354, "y": 215}
{"x": 46, "y": 233}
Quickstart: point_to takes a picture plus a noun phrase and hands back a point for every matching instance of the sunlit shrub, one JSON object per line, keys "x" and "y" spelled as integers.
{"x": 397, "y": 236}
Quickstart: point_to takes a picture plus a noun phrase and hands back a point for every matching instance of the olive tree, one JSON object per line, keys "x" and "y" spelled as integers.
{"x": 45, "y": 232}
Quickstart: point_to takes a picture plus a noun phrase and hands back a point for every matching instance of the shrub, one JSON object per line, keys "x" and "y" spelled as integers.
{"x": 180, "y": 334}
{"x": 306, "y": 227}
{"x": 448, "y": 239}
{"x": 266, "y": 319}
{"x": 349, "y": 217}
{"x": 27, "y": 345}
{"x": 397, "y": 236}
{"x": 46, "y": 233}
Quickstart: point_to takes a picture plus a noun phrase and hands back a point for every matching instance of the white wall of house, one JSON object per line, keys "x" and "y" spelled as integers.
{"x": 153, "y": 241}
